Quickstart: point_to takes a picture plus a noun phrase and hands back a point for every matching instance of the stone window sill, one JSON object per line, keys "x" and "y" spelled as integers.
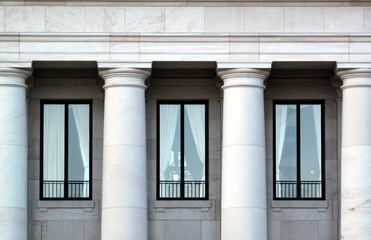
{"x": 44, "y": 206}
{"x": 203, "y": 205}
{"x": 277, "y": 205}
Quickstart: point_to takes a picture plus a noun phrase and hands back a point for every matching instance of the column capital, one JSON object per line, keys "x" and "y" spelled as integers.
{"x": 14, "y": 77}
{"x": 356, "y": 77}
{"x": 239, "y": 77}
{"x": 130, "y": 77}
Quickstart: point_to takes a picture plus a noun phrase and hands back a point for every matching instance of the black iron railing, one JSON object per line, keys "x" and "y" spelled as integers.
{"x": 75, "y": 189}
{"x": 192, "y": 189}
{"x": 289, "y": 189}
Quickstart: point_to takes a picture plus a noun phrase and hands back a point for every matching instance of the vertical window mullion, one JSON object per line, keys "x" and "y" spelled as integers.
{"x": 182, "y": 183}
{"x": 66, "y": 150}
{"x": 298, "y": 149}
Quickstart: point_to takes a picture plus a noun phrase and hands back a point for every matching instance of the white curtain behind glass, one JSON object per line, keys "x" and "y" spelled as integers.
{"x": 168, "y": 121}
{"x": 196, "y": 116}
{"x": 53, "y": 144}
{"x": 81, "y": 116}
{"x": 281, "y": 117}
{"x": 317, "y": 123}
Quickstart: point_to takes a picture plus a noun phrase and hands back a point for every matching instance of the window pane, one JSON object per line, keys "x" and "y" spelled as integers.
{"x": 53, "y": 151}
{"x": 194, "y": 150}
{"x": 286, "y": 151}
{"x": 170, "y": 151}
{"x": 310, "y": 154}
{"x": 78, "y": 150}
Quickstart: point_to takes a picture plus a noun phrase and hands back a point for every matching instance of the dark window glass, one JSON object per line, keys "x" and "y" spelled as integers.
{"x": 298, "y": 144}
{"x": 182, "y": 150}
{"x": 66, "y": 145}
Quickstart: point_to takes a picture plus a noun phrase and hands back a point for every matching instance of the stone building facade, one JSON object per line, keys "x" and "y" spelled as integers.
{"x": 101, "y": 75}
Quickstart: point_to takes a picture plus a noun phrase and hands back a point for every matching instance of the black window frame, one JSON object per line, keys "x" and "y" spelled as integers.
{"x": 182, "y": 103}
{"x": 66, "y": 103}
{"x": 298, "y": 103}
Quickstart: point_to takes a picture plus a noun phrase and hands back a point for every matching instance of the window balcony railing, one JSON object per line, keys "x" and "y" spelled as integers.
{"x": 308, "y": 189}
{"x": 56, "y": 190}
{"x": 192, "y": 189}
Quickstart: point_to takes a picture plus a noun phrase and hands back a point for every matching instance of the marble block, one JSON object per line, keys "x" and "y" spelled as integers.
{"x": 25, "y": 19}
{"x": 264, "y": 19}
{"x": 2, "y": 19}
{"x": 105, "y": 19}
{"x": 65, "y": 19}
{"x": 145, "y": 19}
{"x": 343, "y": 19}
{"x": 304, "y": 19}
{"x": 184, "y": 19}
{"x": 219, "y": 19}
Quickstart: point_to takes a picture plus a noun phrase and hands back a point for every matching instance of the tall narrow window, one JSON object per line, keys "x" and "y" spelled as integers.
{"x": 182, "y": 170}
{"x": 66, "y": 150}
{"x": 298, "y": 150}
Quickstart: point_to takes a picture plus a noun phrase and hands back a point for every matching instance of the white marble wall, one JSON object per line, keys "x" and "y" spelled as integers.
{"x": 64, "y": 18}
{"x": 55, "y": 219}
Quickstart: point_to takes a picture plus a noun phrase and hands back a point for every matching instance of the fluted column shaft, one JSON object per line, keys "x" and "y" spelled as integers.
{"x": 244, "y": 201}
{"x": 124, "y": 206}
{"x": 13, "y": 154}
{"x": 356, "y": 155}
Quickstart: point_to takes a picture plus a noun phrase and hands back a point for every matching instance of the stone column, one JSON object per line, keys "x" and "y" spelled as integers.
{"x": 124, "y": 206}
{"x": 244, "y": 197}
{"x": 13, "y": 154}
{"x": 356, "y": 155}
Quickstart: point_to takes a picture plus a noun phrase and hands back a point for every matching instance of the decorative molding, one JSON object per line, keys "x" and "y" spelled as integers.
{"x": 203, "y": 205}
{"x": 130, "y": 77}
{"x": 358, "y": 77}
{"x": 14, "y": 77}
{"x": 336, "y": 84}
{"x": 278, "y": 205}
{"x": 44, "y": 206}
{"x": 242, "y": 77}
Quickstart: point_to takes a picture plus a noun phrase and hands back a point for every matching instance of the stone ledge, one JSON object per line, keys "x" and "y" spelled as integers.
{"x": 277, "y": 205}
{"x": 43, "y": 206}
{"x": 203, "y": 205}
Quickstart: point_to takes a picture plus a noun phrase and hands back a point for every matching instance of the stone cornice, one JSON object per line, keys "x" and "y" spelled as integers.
{"x": 244, "y": 77}
{"x": 14, "y": 77}
{"x": 358, "y": 77}
{"x": 130, "y": 77}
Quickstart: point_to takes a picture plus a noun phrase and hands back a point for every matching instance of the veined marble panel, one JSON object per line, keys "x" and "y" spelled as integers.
{"x": 145, "y": 19}
{"x": 64, "y": 47}
{"x": 25, "y": 19}
{"x": 105, "y": 19}
{"x": 9, "y": 47}
{"x": 65, "y": 19}
{"x": 184, "y": 19}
